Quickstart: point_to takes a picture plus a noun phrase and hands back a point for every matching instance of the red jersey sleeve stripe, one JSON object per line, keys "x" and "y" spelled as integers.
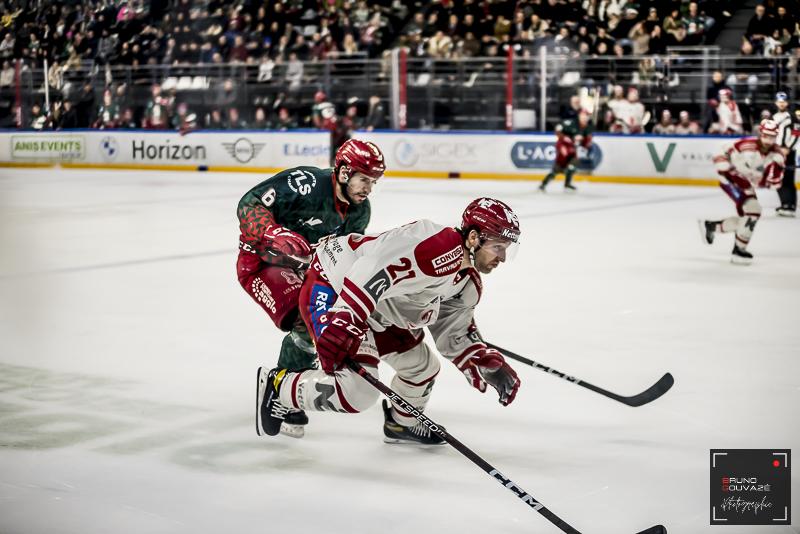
{"x": 358, "y": 293}
{"x": 468, "y": 352}
{"x": 354, "y": 305}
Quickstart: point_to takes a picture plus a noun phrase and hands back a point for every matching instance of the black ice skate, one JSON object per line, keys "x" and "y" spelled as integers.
{"x": 570, "y": 188}
{"x": 707, "y": 230}
{"x": 294, "y": 424}
{"x": 740, "y": 256}
{"x": 270, "y": 413}
{"x": 418, "y": 434}
{"x": 785, "y": 211}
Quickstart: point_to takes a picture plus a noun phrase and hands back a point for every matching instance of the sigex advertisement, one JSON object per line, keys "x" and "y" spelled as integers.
{"x": 478, "y": 154}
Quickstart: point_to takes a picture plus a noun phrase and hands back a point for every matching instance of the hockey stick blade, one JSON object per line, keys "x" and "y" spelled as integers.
{"x": 652, "y": 393}
{"x": 649, "y": 395}
{"x": 658, "y": 529}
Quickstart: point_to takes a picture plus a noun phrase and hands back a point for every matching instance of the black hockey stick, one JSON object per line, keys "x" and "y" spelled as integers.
{"x": 648, "y": 395}
{"x": 472, "y": 456}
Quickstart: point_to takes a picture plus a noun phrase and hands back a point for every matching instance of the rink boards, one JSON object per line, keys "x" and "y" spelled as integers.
{"x": 677, "y": 160}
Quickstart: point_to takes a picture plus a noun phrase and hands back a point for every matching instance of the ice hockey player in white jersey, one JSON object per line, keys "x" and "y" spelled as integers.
{"x": 748, "y": 163}
{"x": 368, "y": 298}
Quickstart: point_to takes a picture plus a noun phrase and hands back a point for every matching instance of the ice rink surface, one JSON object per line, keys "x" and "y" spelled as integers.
{"x": 129, "y": 354}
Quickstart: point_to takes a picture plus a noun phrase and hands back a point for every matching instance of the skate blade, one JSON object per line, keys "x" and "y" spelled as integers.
{"x": 701, "y": 225}
{"x": 736, "y": 260}
{"x": 398, "y": 441}
{"x": 784, "y": 213}
{"x": 260, "y": 387}
{"x": 293, "y": 431}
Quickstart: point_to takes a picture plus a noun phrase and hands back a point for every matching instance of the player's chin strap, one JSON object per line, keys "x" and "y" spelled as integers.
{"x": 343, "y": 186}
{"x": 474, "y": 249}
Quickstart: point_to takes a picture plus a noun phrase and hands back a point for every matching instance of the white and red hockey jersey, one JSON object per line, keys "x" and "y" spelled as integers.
{"x": 748, "y": 163}
{"x": 730, "y": 118}
{"x": 410, "y": 277}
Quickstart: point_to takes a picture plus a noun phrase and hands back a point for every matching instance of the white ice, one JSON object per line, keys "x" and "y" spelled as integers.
{"x": 129, "y": 355}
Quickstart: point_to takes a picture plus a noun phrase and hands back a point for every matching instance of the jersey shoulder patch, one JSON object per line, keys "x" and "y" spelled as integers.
{"x": 440, "y": 254}
{"x": 473, "y": 286}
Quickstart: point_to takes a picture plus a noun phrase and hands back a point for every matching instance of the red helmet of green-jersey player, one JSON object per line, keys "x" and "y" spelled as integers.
{"x": 361, "y": 156}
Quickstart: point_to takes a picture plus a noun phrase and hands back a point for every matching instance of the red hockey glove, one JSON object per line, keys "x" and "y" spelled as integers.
{"x": 340, "y": 339}
{"x": 773, "y": 175}
{"x": 284, "y": 241}
{"x": 736, "y": 179}
{"x": 483, "y": 366}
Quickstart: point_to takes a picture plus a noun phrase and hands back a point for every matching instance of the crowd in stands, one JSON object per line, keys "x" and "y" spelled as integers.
{"x": 278, "y": 39}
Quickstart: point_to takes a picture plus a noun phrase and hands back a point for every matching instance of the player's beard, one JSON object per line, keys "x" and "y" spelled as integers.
{"x": 353, "y": 199}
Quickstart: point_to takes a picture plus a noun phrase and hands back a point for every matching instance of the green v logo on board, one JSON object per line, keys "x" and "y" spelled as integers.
{"x": 660, "y": 163}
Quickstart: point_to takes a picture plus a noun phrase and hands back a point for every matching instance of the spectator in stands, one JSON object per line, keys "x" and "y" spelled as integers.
{"x": 156, "y": 116}
{"x": 665, "y": 125}
{"x": 729, "y": 118}
{"x": 615, "y": 107}
{"x": 571, "y": 110}
{"x": 697, "y": 25}
{"x": 108, "y": 113}
{"x": 214, "y": 120}
{"x": 717, "y": 84}
{"x": 759, "y": 28}
{"x": 127, "y": 122}
{"x": 785, "y": 23}
{"x": 234, "y": 120}
{"x": 7, "y": 46}
{"x": 685, "y": 125}
{"x": 66, "y": 116}
{"x": 294, "y": 72}
{"x": 85, "y": 107}
{"x": 440, "y": 45}
{"x": 351, "y": 121}
{"x": 628, "y": 114}
{"x": 675, "y": 27}
{"x": 7, "y": 74}
{"x": 265, "y": 69}
{"x": 349, "y": 46}
{"x": 38, "y": 119}
{"x": 284, "y": 120}
{"x": 376, "y": 114}
{"x": 227, "y": 95}
{"x": 260, "y": 120}
{"x": 323, "y": 113}
{"x": 538, "y": 28}
{"x": 183, "y": 120}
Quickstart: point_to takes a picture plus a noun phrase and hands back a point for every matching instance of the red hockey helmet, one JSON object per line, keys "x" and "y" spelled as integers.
{"x": 493, "y": 219}
{"x": 361, "y": 156}
{"x": 768, "y": 128}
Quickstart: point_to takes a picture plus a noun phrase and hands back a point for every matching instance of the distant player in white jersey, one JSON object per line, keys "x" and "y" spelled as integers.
{"x": 749, "y": 163}
{"x": 368, "y": 298}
